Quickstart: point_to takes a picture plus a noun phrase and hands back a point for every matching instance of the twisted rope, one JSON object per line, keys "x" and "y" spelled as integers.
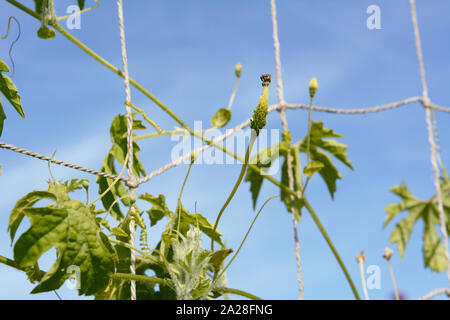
{"x": 129, "y": 140}
{"x": 427, "y": 104}
{"x": 59, "y": 162}
{"x": 282, "y": 110}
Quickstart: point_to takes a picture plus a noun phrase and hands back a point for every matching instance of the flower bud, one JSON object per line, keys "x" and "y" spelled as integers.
{"x": 85, "y": 183}
{"x": 238, "y": 69}
{"x": 361, "y": 258}
{"x": 313, "y": 85}
{"x": 388, "y": 254}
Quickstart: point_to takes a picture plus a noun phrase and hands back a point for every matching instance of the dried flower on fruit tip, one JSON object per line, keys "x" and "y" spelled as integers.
{"x": 388, "y": 254}
{"x": 361, "y": 258}
{"x": 238, "y": 69}
{"x": 258, "y": 121}
{"x": 313, "y": 86}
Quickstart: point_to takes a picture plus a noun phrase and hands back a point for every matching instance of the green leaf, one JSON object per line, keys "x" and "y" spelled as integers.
{"x": 403, "y": 230}
{"x": 116, "y": 192}
{"x": 78, "y": 241}
{"x": 119, "y": 138}
{"x": 9, "y": 90}
{"x": 329, "y": 172}
{"x": 3, "y": 66}
{"x": 433, "y": 250}
{"x": 264, "y": 160}
{"x": 81, "y": 4}
{"x": 188, "y": 219}
{"x": 24, "y": 203}
{"x": 221, "y": 118}
{"x": 2, "y": 117}
{"x": 427, "y": 211}
{"x": 286, "y": 197}
{"x": 119, "y": 232}
{"x": 313, "y": 167}
{"x": 318, "y": 144}
{"x": 218, "y": 257}
{"x": 38, "y": 4}
{"x": 159, "y": 209}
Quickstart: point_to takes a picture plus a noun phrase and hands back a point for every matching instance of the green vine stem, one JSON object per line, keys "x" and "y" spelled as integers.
{"x": 236, "y": 185}
{"x": 144, "y": 115}
{"x": 145, "y": 255}
{"x": 13, "y": 264}
{"x": 179, "y": 212}
{"x": 241, "y": 293}
{"x": 331, "y": 245}
{"x": 112, "y": 184}
{"x": 153, "y": 135}
{"x": 136, "y": 277}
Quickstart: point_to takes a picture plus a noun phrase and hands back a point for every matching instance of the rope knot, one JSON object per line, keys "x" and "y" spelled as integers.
{"x": 132, "y": 183}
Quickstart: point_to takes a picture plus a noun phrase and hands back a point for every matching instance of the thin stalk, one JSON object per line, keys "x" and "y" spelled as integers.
{"x": 136, "y": 277}
{"x": 363, "y": 279}
{"x": 241, "y": 293}
{"x": 24, "y": 9}
{"x": 236, "y": 185}
{"x": 333, "y": 249}
{"x": 153, "y": 135}
{"x": 144, "y": 115}
{"x": 112, "y": 184}
{"x": 309, "y": 131}
{"x": 144, "y": 254}
{"x": 181, "y": 193}
{"x": 13, "y": 264}
{"x": 79, "y": 12}
{"x": 394, "y": 283}
{"x": 233, "y": 95}
{"x": 298, "y": 173}
{"x": 243, "y": 241}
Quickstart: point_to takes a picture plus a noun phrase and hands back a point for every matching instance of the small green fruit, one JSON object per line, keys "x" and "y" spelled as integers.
{"x": 45, "y": 32}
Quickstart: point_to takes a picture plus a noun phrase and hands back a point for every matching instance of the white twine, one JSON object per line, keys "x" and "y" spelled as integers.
{"x": 129, "y": 140}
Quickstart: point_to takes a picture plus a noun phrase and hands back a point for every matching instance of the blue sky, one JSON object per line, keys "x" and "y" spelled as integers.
{"x": 184, "y": 53}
